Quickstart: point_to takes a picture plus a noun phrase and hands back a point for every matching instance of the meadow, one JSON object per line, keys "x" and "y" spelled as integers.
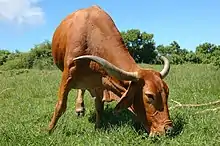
{"x": 28, "y": 97}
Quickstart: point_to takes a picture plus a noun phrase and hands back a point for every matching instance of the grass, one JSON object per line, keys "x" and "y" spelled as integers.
{"x": 28, "y": 97}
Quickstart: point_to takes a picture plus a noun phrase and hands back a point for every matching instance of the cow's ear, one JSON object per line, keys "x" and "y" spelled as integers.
{"x": 127, "y": 98}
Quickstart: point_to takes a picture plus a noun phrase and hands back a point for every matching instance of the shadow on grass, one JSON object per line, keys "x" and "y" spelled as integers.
{"x": 179, "y": 121}
{"x": 109, "y": 120}
{"x": 125, "y": 117}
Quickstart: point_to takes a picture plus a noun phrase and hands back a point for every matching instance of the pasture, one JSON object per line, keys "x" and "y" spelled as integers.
{"x": 28, "y": 97}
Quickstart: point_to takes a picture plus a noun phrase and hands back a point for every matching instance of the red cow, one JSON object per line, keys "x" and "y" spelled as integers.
{"x": 89, "y": 50}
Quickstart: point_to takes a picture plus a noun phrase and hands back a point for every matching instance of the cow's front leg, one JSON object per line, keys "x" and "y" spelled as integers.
{"x": 99, "y": 106}
{"x": 62, "y": 100}
{"x": 79, "y": 105}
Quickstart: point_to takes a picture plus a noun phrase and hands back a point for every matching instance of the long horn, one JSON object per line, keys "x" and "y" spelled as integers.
{"x": 166, "y": 67}
{"x": 111, "y": 69}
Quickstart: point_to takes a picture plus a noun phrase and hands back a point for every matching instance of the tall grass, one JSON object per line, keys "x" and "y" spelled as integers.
{"x": 28, "y": 97}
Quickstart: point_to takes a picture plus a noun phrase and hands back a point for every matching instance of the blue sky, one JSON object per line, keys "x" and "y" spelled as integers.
{"x": 24, "y": 23}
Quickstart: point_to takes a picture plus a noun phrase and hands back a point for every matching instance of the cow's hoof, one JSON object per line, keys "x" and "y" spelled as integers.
{"x": 50, "y": 130}
{"x": 80, "y": 113}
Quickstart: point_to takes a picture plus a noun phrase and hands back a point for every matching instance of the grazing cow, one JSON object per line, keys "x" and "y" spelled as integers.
{"x": 89, "y": 50}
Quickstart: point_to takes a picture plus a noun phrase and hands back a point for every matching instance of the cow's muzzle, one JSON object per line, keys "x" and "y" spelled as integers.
{"x": 169, "y": 130}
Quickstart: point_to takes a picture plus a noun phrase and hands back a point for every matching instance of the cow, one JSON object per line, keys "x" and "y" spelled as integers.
{"x": 89, "y": 50}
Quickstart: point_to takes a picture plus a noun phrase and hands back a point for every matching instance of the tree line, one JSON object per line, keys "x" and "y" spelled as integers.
{"x": 141, "y": 46}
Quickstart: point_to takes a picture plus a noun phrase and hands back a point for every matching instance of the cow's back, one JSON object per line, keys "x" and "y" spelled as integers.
{"x": 69, "y": 31}
{"x": 89, "y": 31}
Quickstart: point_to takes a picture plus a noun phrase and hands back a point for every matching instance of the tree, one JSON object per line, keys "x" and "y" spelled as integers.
{"x": 205, "y": 52}
{"x": 192, "y": 58}
{"x": 215, "y": 59}
{"x": 141, "y": 45}
{"x": 3, "y": 56}
{"x": 174, "y": 48}
{"x": 173, "y": 52}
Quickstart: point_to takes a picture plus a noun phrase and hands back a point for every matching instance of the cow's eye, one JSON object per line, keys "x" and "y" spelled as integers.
{"x": 150, "y": 98}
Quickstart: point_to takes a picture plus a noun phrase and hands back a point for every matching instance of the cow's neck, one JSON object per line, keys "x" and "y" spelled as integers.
{"x": 120, "y": 57}
{"x": 124, "y": 61}
{"x": 107, "y": 43}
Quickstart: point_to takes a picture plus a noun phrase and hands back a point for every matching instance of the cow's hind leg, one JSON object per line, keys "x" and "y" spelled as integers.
{"x": 79, "y": 105}
{"x": 62, "y": 100}
{"x": 99, "y": 106}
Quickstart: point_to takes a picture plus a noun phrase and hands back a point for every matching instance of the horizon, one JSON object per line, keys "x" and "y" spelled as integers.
{"x": 25, "y": 23}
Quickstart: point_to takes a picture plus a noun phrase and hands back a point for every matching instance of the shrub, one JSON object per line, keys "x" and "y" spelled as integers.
{"x": 44, "y": 63}
{"x": 13, "y": 64}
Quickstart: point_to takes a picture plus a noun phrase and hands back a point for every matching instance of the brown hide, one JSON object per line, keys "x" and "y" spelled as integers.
{"x": 89, "y": 50}
{"x": 90, "y": 31}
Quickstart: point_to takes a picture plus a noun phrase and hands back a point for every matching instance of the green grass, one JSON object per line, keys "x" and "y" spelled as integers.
{"x": 28, "y": 97}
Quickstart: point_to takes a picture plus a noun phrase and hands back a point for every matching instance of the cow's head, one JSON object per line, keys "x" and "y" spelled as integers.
{"x": 147, "y": 94}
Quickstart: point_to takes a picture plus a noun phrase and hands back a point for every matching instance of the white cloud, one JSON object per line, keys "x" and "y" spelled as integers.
{"x": 21, "y": 11}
